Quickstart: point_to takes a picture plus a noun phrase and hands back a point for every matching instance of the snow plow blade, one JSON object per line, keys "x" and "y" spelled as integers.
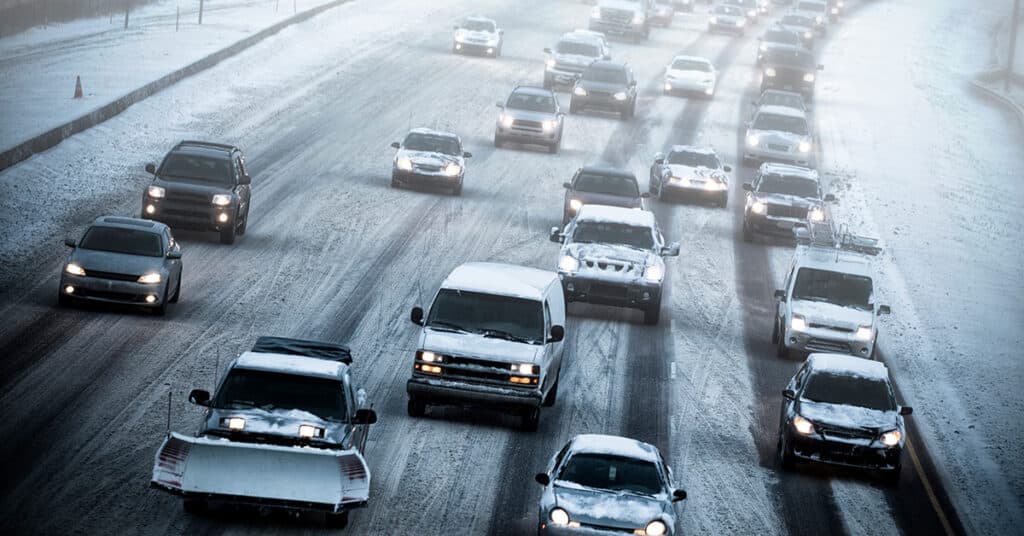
{"x": 296, "y": 478}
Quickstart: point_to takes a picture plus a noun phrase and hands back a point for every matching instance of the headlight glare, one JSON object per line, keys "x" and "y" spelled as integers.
{"x": 156, "y": 192}
{"x": 892, "y": 438}
{"x": 309, "y": 431}
{"x": 548, "y": 125}
{"x": 655, "y": 528}
{"x": 798, "y": 323}
{"x": 758, "y": 207}
{"x": 816, "y": 214}
{"x": 804, "y": 147}
{"x": 769, "y": 72}
{"x": 713, "y": 20}
{"x": 525, "y": 368}
{"x": 507, "y": 120}
{"x": 74, "y": 269}
{"x": 404, "y": 164}
{"x": 550, "y": 62}
{"x": 559, "y": 517}
{"x": 568, "y": 263}
{"x": 638, "y": 18}
{"x": 430, "y": 357}
{"x": 654, "y": 273}
{"x": 620, "y": 95}
{"x": 579, "y": 91}
{"x": 575, "y": 204}
{"x": 809, "y": 77}
{"x": 233, "y": 423}
{"x": 221, "y": 200}
{"x": 763, "y": 47}
{"x": 808, "y": 35}
{"x": 452, "y": 169}
{"x": 864, "y": 333}
{"x": 151, "y": 278}
{"x": 753, "y": 140}
{"x": 803, "y": 425}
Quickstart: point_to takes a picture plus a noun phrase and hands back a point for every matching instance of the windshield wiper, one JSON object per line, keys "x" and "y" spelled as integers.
{"x": 452, "y": 327}
{"x": 500, "y": 334}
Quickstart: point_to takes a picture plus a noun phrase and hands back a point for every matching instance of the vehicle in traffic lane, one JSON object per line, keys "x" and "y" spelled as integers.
{"x": 790, "y": 69}
{"x": 801, "y": 24}
{"x": 818, "y": 11}
{"x": 778, "y": 97}
{"x": 429, "y": 157}
{"x": 780, "y": 197}
{"x": 608, "y": 86}
{"x": 778, "y": 134}
{"x": 530, "y": 115}
{"x": 629, "y": 18}
{"x": 573, "y": 53}
{"x": 663, "y": 13}
{"x": 691, "y": 74}
{"x": 689, "y": 171}
{"x": 727, "y": 19}
{"x": 774, "y": 37}
{"x": 479, "y": 35}
{"x": 600, "y": 185}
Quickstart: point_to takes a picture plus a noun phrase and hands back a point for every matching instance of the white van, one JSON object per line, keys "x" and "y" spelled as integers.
{"x": 492, "y": 337}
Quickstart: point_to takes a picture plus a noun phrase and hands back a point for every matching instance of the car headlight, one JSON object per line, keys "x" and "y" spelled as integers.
{"x": 525, "y": 368}
{"x": 430, "y": 357}
{"x": 654, "y": 273}
{"x": 753, "y": 140}
{"x": 575, "y": 204}
{"x": 404, "y": 164}
{"x": 151, "y": 278}
{"x": 758, "y": 207}
{"x": 763, "y": 47}
{"x": 655, "y": 528}
{"x": 559, "y": 516}
{"x": 156, "y": 192}
{"x": 568, "y": 263}
{"x": 840, "y": 3}
{"x": 620, "y": 95}
{"x": 233, "y": 423}
{"x": 769, "y": 72}
{"x": 798, "y": 323}
{"x": 595, "y": 12}
{"x": 548, "y": 125}
{"x": 668, "y": 86}
{"x": 714, "y": 185}
{"x": 864, "y": 333}
{"x": 804, "y": 147}
{"x": 803, "y": 425}
{"x": 816, "y": 214}
{"x": 817, "y": 19}
{"x": 678, "y": 180}
{"x": 452, "y": 169}
{"x": 835, "y": 11}
{"x": 309, "y": 431}
{"x": 713, "y": 20}
{"x": 579, "y": 91}
{"x": 550, "y": 62}
{"x": 506, "y": 120}
{"x": 808, "y": 35}
{"x": 638, "y": 18}
{"x": 809, "y": 77}
{"x": 74, "y": 269}
{"x": 752, "y": 13}
{"x": 221, "y": 200}
{"x": 892, "y": 438}
{"x": 741, "y": 23}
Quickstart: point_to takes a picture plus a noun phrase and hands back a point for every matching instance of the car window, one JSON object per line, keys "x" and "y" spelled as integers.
{"x": 478, "y": 26}
{"x": 691, "y": 65}
{"x": 577, "y": 48}
{"x": 418, "y": 141}
{"x": 788, "y": 185}
{"x": 848, "y": 390}
{"x": 782, "y": 123}
{"x": 534, "y": 103}
{"x": 607, "y": 184}
{"x": 613, "y": 233}
{"x": 119, "y": 240}
{"x": 269, "y": 391}
{"x": 606, "y": 75}
{"x": 796, "y": 20}
{"x": 518, "y": 318}
{"x": 811, "y": 6}
{"x": 693, "y": 159}
{"x": 197, "y": 168}
{"x": 779, "y": 36}
{"x": 616, "y": 473}
{"x": 847, "y": 290}
{"x": 782, "y": 99}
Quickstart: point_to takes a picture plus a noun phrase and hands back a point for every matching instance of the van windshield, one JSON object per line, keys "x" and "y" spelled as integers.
{"x": 845, "y": 290}
{"x": 502, "y": 317}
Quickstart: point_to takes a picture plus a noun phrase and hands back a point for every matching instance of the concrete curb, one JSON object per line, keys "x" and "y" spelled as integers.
{"x": 56, "y": 135}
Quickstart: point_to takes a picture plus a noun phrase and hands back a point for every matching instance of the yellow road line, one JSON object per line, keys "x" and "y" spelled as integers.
{"x": 928, "y": 489}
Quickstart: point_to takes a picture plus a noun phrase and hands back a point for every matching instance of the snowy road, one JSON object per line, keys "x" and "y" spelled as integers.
{"x": 333, "y": 253}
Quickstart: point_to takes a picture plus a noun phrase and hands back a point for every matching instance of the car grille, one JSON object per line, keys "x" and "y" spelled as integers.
{"x": 478, "y": 370}
{"x": 108, "y": 295}
{"x": 608, "y": 291}
{"x": 427, "y": 167}
{"x": 789, "y": 76}
{"x": 599, "y": 94}
{"x": 824, "y": 345}
{"x": 846, "y": 433}
{"x": 187, "y": 198}
{"x": 522, "y": 124}
{"x": 608, "y": 266}
{"x": 616, "y": 16}
{"x": 777, "y": 147}
{"x": 785, "y": 211}
{"x": 831, "y": 327}
{"x": 111, "y": 275}
{"x": 186, "y": 206}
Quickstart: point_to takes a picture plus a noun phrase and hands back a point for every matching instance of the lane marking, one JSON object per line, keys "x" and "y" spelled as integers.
{"x": 672, "y": 369}
{"x": 928, "y": 489}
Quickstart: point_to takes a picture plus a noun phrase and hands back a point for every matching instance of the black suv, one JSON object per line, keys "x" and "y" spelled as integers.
{"x": 780, "y": 197}
{"x": 202, "y": 186}
{"x": 598, "y": 185}
{"x": 791, "y": 68}
{"x": 606, "y": 85}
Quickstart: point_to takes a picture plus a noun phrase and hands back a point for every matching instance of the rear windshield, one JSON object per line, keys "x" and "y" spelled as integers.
{"x": 797, "y": 20}
{"x": 788, "y": 100}
{"x": 687, "y": 158}
{"x": 799, "y": 58}
{"x": 609, "y": 76}
{"x": 577, "y": 48}
{"x": 432, "y": 143}
{"x": 812, "y": 6}
{"x": 780, "y": 36}
{"x": 781, "y": 123}
{"x": 788, "y": 185}
{"x": 615, "y": 473}
{"x": 119, "y": 240}
{"x": 607, "y": 184}
{"x": 691, "y": 65}
{"x": 613, "y": 233}
{"x": 531, "y": 102}
{"x": 269, "y": 391}
{"x": 847, "y": 290}
{"x": 197, "y": 168}
{"x": 478, "y": 26}
{"x": 849, "y": 391}
{"x": 504, "y": 317}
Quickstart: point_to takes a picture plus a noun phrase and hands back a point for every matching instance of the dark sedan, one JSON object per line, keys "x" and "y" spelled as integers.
{"x": 608, "y": 86}
{"x": 595, "y": 185}
{"x": 780, "y": 197}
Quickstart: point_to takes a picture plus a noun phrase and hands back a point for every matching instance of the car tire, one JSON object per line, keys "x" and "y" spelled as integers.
{"x": 336, "y": 521}
{"x": 245, "y": 223}
{"x": 748, "y": 236}
{"x": 161, "y": 310}
{"x": 775, "y": 333}
{"x": 416, "y": 408}
{"x": 227, "y": 235}
{"x": 552, "y": 395}
{"x": 529, "y": 421}
{"x": 64, "y": 300}
{"x": 652, "y": 314}
{"x": 891, "y": 477}
{"x": 650, "y": 185}
{"x": 785, "y": 457}
{"x": 548, "y": 82}
{"x": 554, "y": 147}
{"x": 497, "y": 52}
{"x": 498, "y": 141}
{"x": 454, "y": 50}
{"x": 780, "y": 348}
{"x": 457, "y": 189}
{"x": 573, "y": 108}
{"x": 177, "y": 291}
{"x": 723, "y": 201}
{"x": 195, "y": 506}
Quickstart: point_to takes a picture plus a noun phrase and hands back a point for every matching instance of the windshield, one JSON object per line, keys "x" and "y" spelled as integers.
{"x": 845, "y": 290}
{"x": 782, "y": 123}
{"x": 613, "y": 233}
{"x": 517, "y": 319}
{"x": 788, "y": 185}
{"x": 788, "y": 100}
{"x": 779, "y": 36}
{"x": 577, "y": 48}
{"x": 691, "y": 65}
{"x": 686, "y": 158}
{"x": 857, "y": 391}
{"x": 197, "y": 168}
{"x": 796, "y": 20}
{"x": 534, "y": 103}
{"x": 478, "y": 26}
{"x": 609, "y": 76}
{"x": 728, "y": 10}
{"x": 432, "y": 143}
{"x": 119, "y": 240}
{"x": 812, "y": 6}
{"x": 607, "y": 184}
{"x": 798, "y": 58}
{"x": 244, "y": 389}
{"x": 615, "y": 473}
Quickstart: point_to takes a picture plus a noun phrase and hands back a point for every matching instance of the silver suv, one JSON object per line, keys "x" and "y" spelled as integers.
{"x": 573, "y": 53}
{"x": 530, "y": 115}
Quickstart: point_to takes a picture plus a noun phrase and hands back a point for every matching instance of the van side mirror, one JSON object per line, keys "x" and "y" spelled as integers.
{"x": 906, "y": 410}
{"x": 830, "y": 198}
{"x": 884, "y": 310}
{"x": 556, "y": 235}
{"x": 542, "y": 478}
{"x": 748, "y": 187}
{"x": 199, "y": 397}
{"x": 364, "y": 416}
{"x": 416, "y": 316}
{"x": 150, "y": 168}
{"x": 70, "y": 242}
{"x": 557, "y": 334}
{"x": 671, "y": 250}
{"x": 396, "y": 145}
{"x": 727, "y": 169}
{"x": 781, "y": 294}
{"x": 467, "y": 154}
{"x": 567, "y": 185}
{"x": 788, "y": 394}
{"x": 678, "y": 495}
{"x": 174, "y": 253}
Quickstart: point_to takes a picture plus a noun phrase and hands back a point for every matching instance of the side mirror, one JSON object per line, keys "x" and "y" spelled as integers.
{"x": 566, "y": 185}
{"x": 781, "y": 294}
{"x": 906, "y": 410}
{"x": 555, "y": 235}
{"x": 645, "y": 195}
{"x": 788, "y": 394}
{"x": 659, "y": 158}
{"x": 672, "y": 250}
{"x": 467, "y": 154}
{"x": 748, "y": 187}
{"x": 245, "y": 179}
{"x": 199, "y": 397}
{"x": 547, "y": 50}
{"x": 542, "y": 478}
{"x": 727, "y": 169}
{"x": 416, "y": 316}
{"x": 884, "y": 310}
{"x": 70, "y": 242}
{"x": 396, "y": 145}
{"x": 678, "y": 495}
{"x": 150, "y": 168}
{"x": 830, "y": 198}
{"x": 365, "y": 416}
{"x": 557, "y": 334}
{"x": 174, "y": 254}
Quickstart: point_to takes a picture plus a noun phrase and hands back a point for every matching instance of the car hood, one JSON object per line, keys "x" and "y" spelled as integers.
{"x": 530, "y": 115}
{"x": 607, "y": 87}
{"x": 621, "y": 510}
{"x": 478, "y": 346}
{"x": 788, "y": 200}
{"x": 619, "y": 4}
{"x": 699, "y": 172}
{"x": 277, "y": 422}
{"x": 574, "y": 59}
{"x": 778, "y": 136}
{"x": 853, "y": 417}
{"x": 192, "y": 187}
{"x": 592, "y": 198}
{"x": 833, "y": 315}
{"x": 119, "y": 263}
{"x": 428, "y": 158}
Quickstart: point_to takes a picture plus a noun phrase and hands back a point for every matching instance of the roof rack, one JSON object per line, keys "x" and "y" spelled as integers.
{"x": 301, "y": 347}
{"x": 224, "y": 146}
{"x": 825, "y": 235}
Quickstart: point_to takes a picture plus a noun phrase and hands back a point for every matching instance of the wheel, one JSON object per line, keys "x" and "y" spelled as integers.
{"x": 552, "y": 395}
{"x": 780, "y": 348}
{"x": 775, "y": 333}
{"x": 497, "y": 140}
{"x": 785, "y": 457}
{"x": 652, "y": 314}
{"x": 497, "y": 52}
{"x": 457, "y": 189}
{"x": 891, "y": 477}
{"x": 63, "y": 300}
{"x": 161, "y": 310}
{"x": 416, "y": 408}
{"x": 748, "y": 236}
{"x": 572, "y": 107}
{"x": 871, "y": 354}
{"x": 227, "y": 235}
{"x": 245, "y": 223}
{"x": 548, "y": 83}
{"x": 530, "y": 419}
{"x": 336, "y": 521}
{"x": 555, "y": 146}
{"x": 723, "y": 201}
{"x": 194, "y": 506}
{"x": 650, "y": 185}
{"x": 455, "y": 49}
{"x": 177, "y": 291}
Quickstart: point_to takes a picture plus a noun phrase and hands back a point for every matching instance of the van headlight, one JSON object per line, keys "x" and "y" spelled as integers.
{"x": 816, "y": 214}
{"x": 758, "y": 207}
{"x": 506, "y": 120}
{"x": 452, "y": 169}
{"x": 655, "y": 528}
{"x": 575, "y": 205}
{"x": 654, "y": 273}
{"x": 404, "y": 164}
{"x": 308, "y": 431}
{"x": 808, "y": 35}
{"x": 156, "y": 192}
{"x": 74, "y": 269}
{"x": 809, "y": 77}
{"x": 550, "y": 63}
{"x": 548, "y": 125}
{"x": 769, "y": 72}
{"x": 221, "y": 200}
{"x": 525, "y": 368}
{"x": 798, "y": 323}
{"x": 620, "y": 95}
{"x": 804, "y": 147}
{"x": 753, "y": 140}
{"x": 151, "y": 278}
{"x": 892, "y": 438}
{"x": 233, "y": 423}
{"x": 864, "y": 333}
{"x": 430, "y": 357}
{"x": 568, "y": 263}
{"x": 559, "y": 517}
{"x": 803, "y": 425}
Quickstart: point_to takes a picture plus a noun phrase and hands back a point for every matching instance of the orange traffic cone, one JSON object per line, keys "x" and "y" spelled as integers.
{"x": 78, "y": 87}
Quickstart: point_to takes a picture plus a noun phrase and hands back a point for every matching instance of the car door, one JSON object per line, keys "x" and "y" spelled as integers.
{"x": 173, "y": 265}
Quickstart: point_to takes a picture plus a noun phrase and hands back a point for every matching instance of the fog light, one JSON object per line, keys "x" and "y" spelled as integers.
{"x": 709, "y": 91}
{"x": 69, "y": 289}
{"x": 150, "y": 209}
{"x": 490, "y": 51}
{"x": 458, "y": 46}
{"x": 151, "y": 298}
{"x": 792, "y": 340}
{"x": 223, "y": 218}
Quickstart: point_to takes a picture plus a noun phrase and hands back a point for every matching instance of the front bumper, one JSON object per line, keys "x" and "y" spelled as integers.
{"x": 770, "y": 225}
{"x": 559, "y": 77}
{"x": 827, "y": 340}
{"x": 634, "y": 294}
{"x": 111, "y": 290}
{"x": 527, "y": 135}
{"x": 609, "y": 27}
{"x": 762, "y": 153}
{"x": 693, "y": 190}
{"x": 424, "y": 177}
{"x": 206, "y": 217}
{"x": 547, "y": 529}
{"x": 599, "y": 102}
{"x": 262, "y": 502}
{"x": 460, "y": 393}
{"x": 854, "y": 453}
{"x": 727, "y": 27}
{"x": 688, "y": 86}
{"x": 475, "y": 48}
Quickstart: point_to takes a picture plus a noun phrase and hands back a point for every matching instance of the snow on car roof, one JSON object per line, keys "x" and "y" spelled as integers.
{"x": 614, "y": 445}
{"x": 431, "y": 131}
{"x": 691, "y": 58}
{"x": 129, "y": 223}
{"x": 835, "y": 260}
{"x": 607, "y": 214}
{"x": 290, "y": 364}
{"x": 479, "y": 18}
{"x": 703, "y": 149}
{"x": 848, "y": 365}
{"x": 500, "y": 279}
{"x": 775, "y": 109}
{"x": 775, "y": 168}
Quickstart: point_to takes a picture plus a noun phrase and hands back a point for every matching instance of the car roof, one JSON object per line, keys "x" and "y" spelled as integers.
{"x": 691, "y": 58}
{"x": 613, "y": 445}
{"x": 606, "y": 170}
{"x": 775, "y": 168}
{"x": 295, "y": 365}
{"x": 533, "y": 90}
{"x": 433, "y": 132}
{"x": 136, "y": 224}
{"x": 703, "y": 149}
{"x": 775, "y": 109}
{"x": 833, "y": 260}
{"x": 608, "y": 64}
{"x": 848, "y": 365}
{"x": 609, "y": 214}
{"x": 501, "y": 280}
{"x": 478, "y": 18}
{"x": 203, "y": 149}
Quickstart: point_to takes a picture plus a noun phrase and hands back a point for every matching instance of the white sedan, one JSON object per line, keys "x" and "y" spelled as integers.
{"x": 691, "y": 74}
